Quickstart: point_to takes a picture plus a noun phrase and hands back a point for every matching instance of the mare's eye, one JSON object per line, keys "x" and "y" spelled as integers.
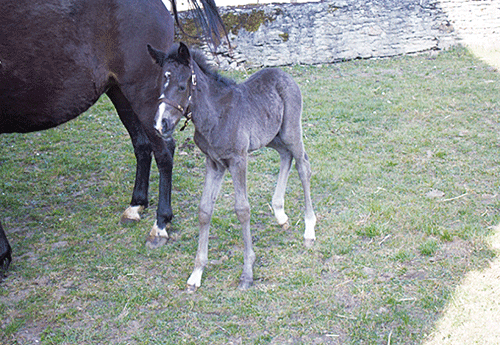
{"x": 182, "y": 88}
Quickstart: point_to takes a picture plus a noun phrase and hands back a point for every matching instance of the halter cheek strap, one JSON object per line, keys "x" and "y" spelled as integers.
{"x": 184, "y": 110}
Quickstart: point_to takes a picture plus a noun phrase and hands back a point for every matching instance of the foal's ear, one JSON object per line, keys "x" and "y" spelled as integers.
{"x": 183, "y": 53}
{"x": 157, "y": 55}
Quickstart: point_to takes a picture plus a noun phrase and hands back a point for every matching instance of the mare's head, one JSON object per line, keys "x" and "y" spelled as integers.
{"x": 178, "y": 85}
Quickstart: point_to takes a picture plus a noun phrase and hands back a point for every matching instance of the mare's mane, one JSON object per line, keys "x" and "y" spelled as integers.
{"x": 202, "y": 63}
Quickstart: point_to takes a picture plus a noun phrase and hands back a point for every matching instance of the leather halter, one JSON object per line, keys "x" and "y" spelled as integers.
{"x": 184, "y": 110}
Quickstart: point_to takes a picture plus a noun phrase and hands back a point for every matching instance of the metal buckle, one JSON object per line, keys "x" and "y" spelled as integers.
{"x": 193, "y": 78}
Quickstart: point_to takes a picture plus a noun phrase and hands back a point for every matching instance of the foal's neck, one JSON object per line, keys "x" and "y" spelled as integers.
{"x": 211, "y": 87}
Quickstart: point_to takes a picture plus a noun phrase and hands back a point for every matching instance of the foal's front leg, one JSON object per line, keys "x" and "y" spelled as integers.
{"x": 213, "y": 181}
{"x": 238, "y": 170}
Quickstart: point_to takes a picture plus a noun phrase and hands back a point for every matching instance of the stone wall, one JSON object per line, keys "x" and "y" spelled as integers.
{"x": 337, "y": 30}
{"x": 476, "y": 22}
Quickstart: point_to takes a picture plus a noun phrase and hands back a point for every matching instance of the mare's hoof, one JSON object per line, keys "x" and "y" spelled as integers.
{"x": 245, "y": 284}
{"x": 132, "y": 214}
{"x": 155, "y": 242}
{"x": 308, "y": 243}
{"x": 157, "y": 237}
{"x": 191, "y": 288}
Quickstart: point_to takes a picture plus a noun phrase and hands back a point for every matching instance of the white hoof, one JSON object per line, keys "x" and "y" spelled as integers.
{"x": 194, "y": 281}
{"x": 285, "y": 225}
{"x": 157, "y": 237}
{"x": 282, "y": 218}
{"x": 132, "y": 214}
{"x": 191, "y": 288}
{"x": 310, "y": 234}
{"x": 309, "y": 243}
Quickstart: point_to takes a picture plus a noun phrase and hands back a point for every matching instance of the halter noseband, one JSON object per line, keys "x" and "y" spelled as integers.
{"x": 184, "y": 110}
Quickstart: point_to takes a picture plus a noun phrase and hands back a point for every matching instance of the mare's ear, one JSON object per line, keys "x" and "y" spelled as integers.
{"x": 157, "y": 55}
{"x": 183, "y": 53}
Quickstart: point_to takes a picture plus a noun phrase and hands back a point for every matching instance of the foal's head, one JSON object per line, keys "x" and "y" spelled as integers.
{"x": 178, "y": 85}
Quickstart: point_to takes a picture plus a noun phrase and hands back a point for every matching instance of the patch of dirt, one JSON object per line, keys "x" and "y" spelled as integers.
{"x": 457, "y": 248}
{"x": 31, "y": 335}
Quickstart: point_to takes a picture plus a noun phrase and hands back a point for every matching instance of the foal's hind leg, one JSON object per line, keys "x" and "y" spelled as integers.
{"x": 304, "y": 170}
{"x": 279, "y": 193}
{"x": 287, "y": 151}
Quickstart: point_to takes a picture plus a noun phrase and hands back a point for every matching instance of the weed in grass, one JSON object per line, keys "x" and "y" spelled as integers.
{"x": 402, "y": 255}
{"x": 429, "y": 247}
{"x": 369, "y": 231}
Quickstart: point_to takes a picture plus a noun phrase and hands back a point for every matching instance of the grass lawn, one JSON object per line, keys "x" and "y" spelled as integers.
{"x": 405, "y": 160}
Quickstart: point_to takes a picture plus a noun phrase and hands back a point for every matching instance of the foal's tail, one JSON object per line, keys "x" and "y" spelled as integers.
{"x": 207, "y": 17}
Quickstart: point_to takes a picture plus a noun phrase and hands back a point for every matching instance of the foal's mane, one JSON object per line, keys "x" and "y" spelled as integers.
{"x": 202, "y": 63}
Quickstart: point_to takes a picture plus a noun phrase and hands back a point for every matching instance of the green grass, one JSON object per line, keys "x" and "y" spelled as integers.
{"x": 381, "y": 135}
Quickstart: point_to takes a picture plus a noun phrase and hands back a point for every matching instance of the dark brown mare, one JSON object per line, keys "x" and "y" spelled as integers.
{"x": 57, "y": 57}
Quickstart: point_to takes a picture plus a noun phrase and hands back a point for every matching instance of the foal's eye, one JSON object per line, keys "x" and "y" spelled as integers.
{"x": 182, "y": 88}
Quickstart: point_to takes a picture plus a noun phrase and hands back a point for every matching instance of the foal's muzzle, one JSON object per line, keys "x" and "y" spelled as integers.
{"x": 164, "y": 122}
{"x": 165, "y": 125}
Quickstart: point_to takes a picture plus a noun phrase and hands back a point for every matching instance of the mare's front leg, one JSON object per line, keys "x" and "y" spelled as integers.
{"x": 238, "y": 170}
{"x": 213, "y": 181}
{"x": 163, "y": 149}
{"x": 146, "y": 140}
